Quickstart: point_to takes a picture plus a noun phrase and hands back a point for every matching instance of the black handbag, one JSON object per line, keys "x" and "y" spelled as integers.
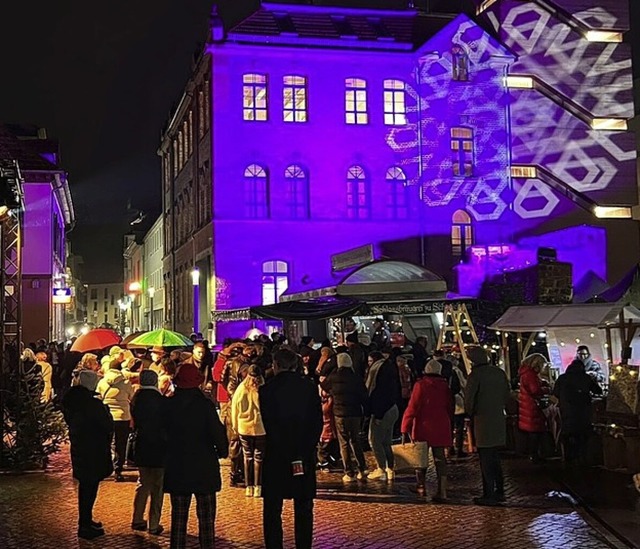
{"x": 130, "y": 453}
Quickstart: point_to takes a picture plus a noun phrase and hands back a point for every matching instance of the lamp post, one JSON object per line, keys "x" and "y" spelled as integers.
{"x": 152, "y": 292}
{"x": 195, "y": 280}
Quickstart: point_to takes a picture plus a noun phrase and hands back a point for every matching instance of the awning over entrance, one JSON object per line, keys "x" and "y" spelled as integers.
{"x": 318, "y": 308}
{"x": 532, "y": 318}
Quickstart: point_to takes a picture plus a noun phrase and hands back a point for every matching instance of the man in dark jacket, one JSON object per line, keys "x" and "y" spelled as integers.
{"x": 90, "y": 429}
{"x": 485, "y": 399}
{"x": 350, "y": 404}
{"x": 197, "y": 439}
{"x": 151, "y": 440}
{"x": 573, "y": 390}
{"x": 292, "y": 417}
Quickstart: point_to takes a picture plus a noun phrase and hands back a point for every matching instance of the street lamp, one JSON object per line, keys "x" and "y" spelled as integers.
{"x": 152, "y": 292}
{"x": 123, "y": 307}
{"x": 195, "y": 280}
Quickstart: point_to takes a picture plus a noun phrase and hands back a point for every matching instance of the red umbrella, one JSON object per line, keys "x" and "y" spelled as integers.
{"x": 95, "y": 340}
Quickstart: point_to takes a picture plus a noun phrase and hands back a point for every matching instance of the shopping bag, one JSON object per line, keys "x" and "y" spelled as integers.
{"x": 130, "y": 453}
{"x": 411, "y": 455}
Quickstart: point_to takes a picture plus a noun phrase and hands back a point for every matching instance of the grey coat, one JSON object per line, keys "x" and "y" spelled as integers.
{"x": 485, "y": 398}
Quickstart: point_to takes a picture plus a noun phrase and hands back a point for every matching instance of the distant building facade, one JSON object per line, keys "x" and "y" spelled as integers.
{"x": 103, "y": 307}
{"x": 464, "y": 144}
{"x": 153, "y": 295}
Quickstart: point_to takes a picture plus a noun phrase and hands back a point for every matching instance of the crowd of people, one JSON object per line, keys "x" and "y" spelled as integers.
{"x": 281, "y": 412}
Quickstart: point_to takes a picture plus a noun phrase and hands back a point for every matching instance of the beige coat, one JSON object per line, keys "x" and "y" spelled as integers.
{"x": 245, "y": 412}
{"x": 116, "y": 392}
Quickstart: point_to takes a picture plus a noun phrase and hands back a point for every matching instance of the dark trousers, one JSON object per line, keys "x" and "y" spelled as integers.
{"x": 206, "y": 510}
{"x": 119, "y": 444}
{"x": 235, "y": 447}
{"x": 575, "y": 446}
{"x": 253, "y": 452}
{"x": 458, "y": 428}
{"x": 348, "y": 429}
{"x": 534, "y": 445}
{"x": 87, "y": 494}
{"x": 492, "y": 479}
{"x": 272, "y": 522}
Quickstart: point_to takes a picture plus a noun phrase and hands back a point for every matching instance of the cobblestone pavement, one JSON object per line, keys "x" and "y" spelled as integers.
{"x": 39, "y": 511}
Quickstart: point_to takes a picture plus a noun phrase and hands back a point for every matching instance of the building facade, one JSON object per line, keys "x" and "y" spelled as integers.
{"x": 47, "y": 216}
{"x": 465, "y": 143}
{"x": 186, "y": 197}
{"x": 104, "y": 305}
{"x": 153, "y": 295}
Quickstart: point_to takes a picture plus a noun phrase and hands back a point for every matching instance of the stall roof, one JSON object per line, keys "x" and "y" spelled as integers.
{"x": 530, "y": 318}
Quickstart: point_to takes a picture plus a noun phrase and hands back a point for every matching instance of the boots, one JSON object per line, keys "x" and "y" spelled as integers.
{"x": 441, "y": 495}
{"x": 421, "y": 481}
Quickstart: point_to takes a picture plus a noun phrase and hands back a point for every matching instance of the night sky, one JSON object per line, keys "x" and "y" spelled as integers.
{"x": 103, "y": 79}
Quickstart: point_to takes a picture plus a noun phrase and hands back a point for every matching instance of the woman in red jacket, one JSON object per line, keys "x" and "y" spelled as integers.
{"x": 531, "y": 419}
{"x": 428, "y": 419}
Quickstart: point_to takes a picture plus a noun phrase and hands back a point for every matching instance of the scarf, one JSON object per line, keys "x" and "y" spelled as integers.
{"x": 372, "y": 376}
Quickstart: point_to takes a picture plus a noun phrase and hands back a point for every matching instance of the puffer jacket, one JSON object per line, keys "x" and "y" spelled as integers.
{"x": 530, "y": 416}
{"x": 116, "y": 392}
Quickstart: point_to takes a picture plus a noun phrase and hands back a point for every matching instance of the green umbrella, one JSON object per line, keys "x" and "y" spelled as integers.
{"x": 162, "y": 338}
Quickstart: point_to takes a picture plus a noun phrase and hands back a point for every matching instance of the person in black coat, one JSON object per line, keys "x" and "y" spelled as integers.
{"x": 196, "y": 441}
{"x": 150, "y": 451}
{"x": 292, "y": 417}
{"x": 350, "y": 404}
{"x": 573, "y": 390}
{"x": 90, "y": 429}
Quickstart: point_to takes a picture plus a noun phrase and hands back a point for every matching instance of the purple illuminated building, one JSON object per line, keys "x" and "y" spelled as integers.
{"x": 48, "y": 213}
{"x": 462, "y": 143}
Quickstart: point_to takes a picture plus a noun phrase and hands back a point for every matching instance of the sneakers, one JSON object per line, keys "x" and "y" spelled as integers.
{"x": 362, "y": 475}
{"x": 378, "y": 474}
{"x": 391, "y": 474}
{"x": 157, "y": 531}
{"x": 348, "y": 478}
{"x": 248, "y": 491}
{"x": 257, "y": 491}
{"x": 89, "y": 532}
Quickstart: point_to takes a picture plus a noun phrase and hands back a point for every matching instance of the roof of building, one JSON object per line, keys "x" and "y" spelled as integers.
{"x": 330, "y": 26}
{"x": 12, "y": 148}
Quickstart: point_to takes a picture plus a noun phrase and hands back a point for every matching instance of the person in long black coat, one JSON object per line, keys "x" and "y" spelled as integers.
{"x": 90, "y": 429}
{"x": 196, "y": 441}
{"x": 292, "y": 416}
{"x": 147, "y": 406}
{"x": 574, "y": 389}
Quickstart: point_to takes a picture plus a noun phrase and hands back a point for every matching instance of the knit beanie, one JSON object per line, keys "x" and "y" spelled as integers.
{"x": 88, "y": 379}
{"x": 433, "y": 367}
{"x": 188, "y": 376}
{"x": 344, "y": 361}
{"x": 148, "y": 378}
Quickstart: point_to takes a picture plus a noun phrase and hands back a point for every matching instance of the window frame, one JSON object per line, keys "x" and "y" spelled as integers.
{"x": 275, "y": 280}
{"x": 461, "y": 233}
{"x": 356, "y": 103}
{"x": 462, "y": 147}
{"x": 297, "y": 192}
{"x": 295, "y": 108}
{"x": 255, "y": 97}
{"x": 358, "y": 186}
{"x": 395, "y": 102}
{"x": 398, "y": 205}
{"x": 256, "y": 186}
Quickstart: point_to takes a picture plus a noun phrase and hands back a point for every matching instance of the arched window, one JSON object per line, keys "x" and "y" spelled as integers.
{"x": 275, "y": 281}
{"x": 358, "y": 194}
{"x": 395, "y": 109}
{"x": 297, "y": 192}
{"x": 461, "y": 233}
{"x": 256, "y": 192}
{"x": 459, "y": 64}
{"x": 397, "y": 199}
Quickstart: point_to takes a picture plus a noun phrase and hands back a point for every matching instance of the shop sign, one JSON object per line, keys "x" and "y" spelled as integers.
{"x": 420, "y": 308}
{"x": 352, "y": 258}
{"x": 61, "y": 296}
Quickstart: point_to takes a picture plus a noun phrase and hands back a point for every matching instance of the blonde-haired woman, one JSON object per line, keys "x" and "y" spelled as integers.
{"x": 47, "y": 374}
{"x": 89, "y": 361}
{"x": 247, "y": 422}
{"x": 531, "y": 418}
